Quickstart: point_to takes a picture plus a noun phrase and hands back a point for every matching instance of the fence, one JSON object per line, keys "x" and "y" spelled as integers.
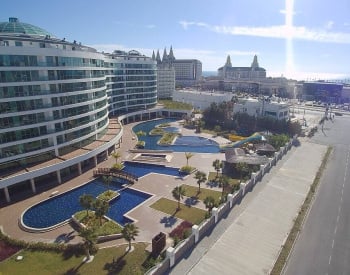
{"x": 175, "y": 254}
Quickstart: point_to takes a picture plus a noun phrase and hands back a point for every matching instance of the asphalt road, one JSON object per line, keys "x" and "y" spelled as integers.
{"x": 323, "y": 246}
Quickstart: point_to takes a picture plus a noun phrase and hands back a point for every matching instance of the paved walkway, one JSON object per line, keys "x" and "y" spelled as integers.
{"x": 150, "y": 221}
{"x": 249, "y": 239}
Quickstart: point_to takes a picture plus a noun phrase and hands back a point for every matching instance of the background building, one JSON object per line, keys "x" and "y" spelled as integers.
{"x": 188, "y": 72}
{"x": 254, "y": 72}
{"x": 262, "y": 107}
{"x": 165, "y": 76}
{"x": 201, "y": 99}
{"x": 322, "y": 91}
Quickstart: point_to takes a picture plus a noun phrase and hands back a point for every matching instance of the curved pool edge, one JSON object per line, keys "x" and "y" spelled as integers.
{"x": 39, "y": 230}
{"x": 50, "y": 228}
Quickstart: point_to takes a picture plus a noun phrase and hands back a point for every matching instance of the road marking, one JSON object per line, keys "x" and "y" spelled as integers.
{"x": 330, "y": 259}
{"x": 332, "y": 243}
{"x": 338, "y": 218}
{"x": 335, "y": 229}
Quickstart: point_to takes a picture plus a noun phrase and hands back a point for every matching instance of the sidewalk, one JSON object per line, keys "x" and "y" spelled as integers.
{"x": 249, "y": 239}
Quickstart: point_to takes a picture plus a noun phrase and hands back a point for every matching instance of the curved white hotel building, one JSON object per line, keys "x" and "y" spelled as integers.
{"x": 57, "y": 103}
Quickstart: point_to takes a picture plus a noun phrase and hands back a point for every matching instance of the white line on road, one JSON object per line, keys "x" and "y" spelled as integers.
{"x": 330, "y": 259}
{"x": 337, "y": 218}
{"x": 335, "y": 229}
{"x": 332, "y": 243}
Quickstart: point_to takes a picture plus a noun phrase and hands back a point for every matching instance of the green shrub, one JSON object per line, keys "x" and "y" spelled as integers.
{"x": 167, "y": 138}
{"x": 108, "y": 195}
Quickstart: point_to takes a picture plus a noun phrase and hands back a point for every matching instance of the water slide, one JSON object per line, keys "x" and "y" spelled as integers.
{"x": 239, "y": 143}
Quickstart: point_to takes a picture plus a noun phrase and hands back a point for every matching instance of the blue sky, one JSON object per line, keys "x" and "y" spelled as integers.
{"x": 302, "y": 39}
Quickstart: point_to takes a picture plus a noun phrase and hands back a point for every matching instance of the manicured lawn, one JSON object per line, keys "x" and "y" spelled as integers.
{"x": 187, "y": 213}
{"x": 192, "y": 191}
{"x": 42, "y": 263}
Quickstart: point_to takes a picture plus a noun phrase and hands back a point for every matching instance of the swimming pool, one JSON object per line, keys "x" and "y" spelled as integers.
{"x": 60, "y": 208}
{"x": 196, "y": 145}
{"x": 142, "y": 169}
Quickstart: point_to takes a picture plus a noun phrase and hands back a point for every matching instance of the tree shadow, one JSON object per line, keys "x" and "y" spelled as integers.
{"x": 75, "y": 250}
{"x": 65, "y": 238}
{"x": 191, "y": 201}
{"x": 74, "y": 270}
{"x": 212, "y": 184}
{"x": 168, "y": 221}
{"x": 116, "y": 265}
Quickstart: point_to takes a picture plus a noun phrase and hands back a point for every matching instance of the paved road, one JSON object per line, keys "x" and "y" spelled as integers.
{"x": 323, "y": 246}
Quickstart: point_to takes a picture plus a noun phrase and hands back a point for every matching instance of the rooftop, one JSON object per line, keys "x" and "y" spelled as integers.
{"x": 14, "y": 26}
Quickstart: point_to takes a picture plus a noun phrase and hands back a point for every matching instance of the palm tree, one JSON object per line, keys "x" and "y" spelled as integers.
{"x": 217, "y": 164}
{"x": 116, "y": 155}
{"x": 224, "y": 182}
{"x": 89, "y": 237}
{"x": 178, "y": 194}
{"x": 209, "y": 203}
{"x": 107, "y": 180}
{"x": 242, "y": 168}
{"x": 86, "y": 201}
{"x": 129, "y": 232}
{"x": 101, "y": 208}
{"x": 118, "y": 166}
{"x": 200, "y": 177}
{"x": 188, "y": 155}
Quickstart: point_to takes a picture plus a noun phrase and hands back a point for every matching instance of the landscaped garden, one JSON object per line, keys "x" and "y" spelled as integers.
{"x": 186, "y": 212}
{"x": 192, "y": 191}
{"x": 114, "y": 260}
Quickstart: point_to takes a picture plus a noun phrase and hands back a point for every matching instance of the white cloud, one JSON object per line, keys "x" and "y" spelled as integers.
{"x": 242, "y": 53}
{"x": 150, "y": 26}
{"x": 329, "y": 25}
{"x": 279, "y": 31}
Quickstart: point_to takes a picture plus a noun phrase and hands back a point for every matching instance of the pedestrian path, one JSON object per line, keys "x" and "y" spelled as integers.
{"x": 253, "y": 236}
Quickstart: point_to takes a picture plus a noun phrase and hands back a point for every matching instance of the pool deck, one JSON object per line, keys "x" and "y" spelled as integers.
{"x": 150, "y": 221}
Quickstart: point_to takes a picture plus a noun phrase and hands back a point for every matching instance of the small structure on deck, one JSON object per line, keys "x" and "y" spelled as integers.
{"x": 237, "y": 155}
{"x": 115, "y": 173}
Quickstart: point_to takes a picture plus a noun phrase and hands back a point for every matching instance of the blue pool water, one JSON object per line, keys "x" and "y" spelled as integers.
{"x": 60, "y": 208}
{"x": 196, "y": 145}
{"x": 142, "y": 169}
{"x": 171, "y": 129}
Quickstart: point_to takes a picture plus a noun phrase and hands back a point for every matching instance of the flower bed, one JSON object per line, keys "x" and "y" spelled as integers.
{"x": 7, "y": 250}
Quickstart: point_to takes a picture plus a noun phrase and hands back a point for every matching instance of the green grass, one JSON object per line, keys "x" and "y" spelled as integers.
{"x": 167, "y": 138}
{"x": 187, "y": 213}
{"x": 108, "y": 195}
{"x": 157, "y": 132}
{"x": 192, "y": 191}
{"x": 169, "y": 104}
{"x": 42, "y": 263}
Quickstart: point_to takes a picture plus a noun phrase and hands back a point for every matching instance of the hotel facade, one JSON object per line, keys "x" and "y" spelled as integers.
{"x": 61, "y": 104}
